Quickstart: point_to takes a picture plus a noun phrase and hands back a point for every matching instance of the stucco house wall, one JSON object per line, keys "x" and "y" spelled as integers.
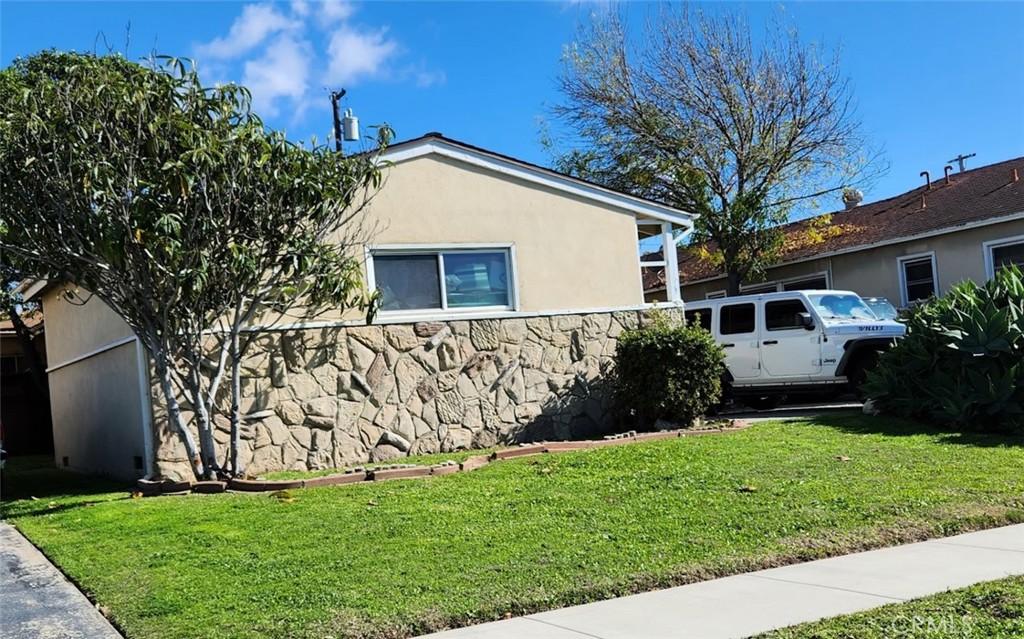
{"x": 960, "y": 254}
{"x": 98, "y": 392}
{"x": 330, "y": 390}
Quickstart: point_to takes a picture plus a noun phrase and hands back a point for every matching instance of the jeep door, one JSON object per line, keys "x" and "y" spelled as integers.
{"x": 788, "y": 349}
{"x": 737, "y": 330}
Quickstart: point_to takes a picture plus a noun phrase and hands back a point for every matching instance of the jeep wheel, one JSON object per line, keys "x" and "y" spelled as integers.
{"x": 762, "y": 402}
{"x": 858, "y": 373}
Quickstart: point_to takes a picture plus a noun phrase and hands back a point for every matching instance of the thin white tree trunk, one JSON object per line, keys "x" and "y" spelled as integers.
{"x": 174, "y": 414}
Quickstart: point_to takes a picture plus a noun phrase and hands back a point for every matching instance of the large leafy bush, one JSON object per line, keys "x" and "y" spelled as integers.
{"x": 666, "y": 370}
{"x": 961, "y": 363}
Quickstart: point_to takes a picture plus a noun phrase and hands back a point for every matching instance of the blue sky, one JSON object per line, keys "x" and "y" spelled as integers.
{"x": 932, "y": 79}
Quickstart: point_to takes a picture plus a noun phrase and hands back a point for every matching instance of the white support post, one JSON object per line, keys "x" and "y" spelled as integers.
{"x": 671, "y": 264}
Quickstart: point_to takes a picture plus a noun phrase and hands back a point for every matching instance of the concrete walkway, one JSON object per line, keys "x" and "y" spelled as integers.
{"x": 752, "y": 603}
{"x": 37, "y": 601}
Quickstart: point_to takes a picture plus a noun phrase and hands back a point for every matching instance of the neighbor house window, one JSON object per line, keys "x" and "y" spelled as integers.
{"x": 439, "y": 280}
{"x": 1002, "y": 253}
{"x": 917, "y": 277}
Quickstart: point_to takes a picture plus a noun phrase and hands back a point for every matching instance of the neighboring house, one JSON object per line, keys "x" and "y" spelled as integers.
{"x": 24, "y": 410}
{"x": 905, "y": 248}
{"x": 504, "y": 286}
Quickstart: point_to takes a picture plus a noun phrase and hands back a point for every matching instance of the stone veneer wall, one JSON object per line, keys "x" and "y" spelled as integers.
{"x": 330, "y": 397}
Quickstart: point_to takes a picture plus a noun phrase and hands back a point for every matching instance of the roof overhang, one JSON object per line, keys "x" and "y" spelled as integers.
{"x": 30, "y": 288}
{"x": 643, "y": 209}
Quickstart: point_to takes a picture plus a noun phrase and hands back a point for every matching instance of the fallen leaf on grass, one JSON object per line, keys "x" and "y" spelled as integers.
{"x": 748, "y": 489}
{"x": 843, "y": 458}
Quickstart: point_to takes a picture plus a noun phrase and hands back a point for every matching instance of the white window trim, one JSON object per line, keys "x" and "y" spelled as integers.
{"x": 426, "y": 249}
{"x": 987, "y": 247}
{"x": 900, "y": 261}
{"x": 716, "y": 295}
{"x": 780, "y": 284}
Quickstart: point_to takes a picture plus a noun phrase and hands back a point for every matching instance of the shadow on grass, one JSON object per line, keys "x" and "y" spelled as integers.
{"x": 36, "y": 479}
{"x": 895, "y": 427}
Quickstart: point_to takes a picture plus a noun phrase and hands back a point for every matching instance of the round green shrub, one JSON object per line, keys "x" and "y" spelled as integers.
{"x": 666, "y": 370}
{"x": 961, "y": 363}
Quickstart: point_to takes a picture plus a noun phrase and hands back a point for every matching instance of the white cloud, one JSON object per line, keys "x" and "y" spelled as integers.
{"x": 276, "y": 49}
{"x": 351, "y": 54}
{"x": 333, "y": 11}
{"x": 281, "y": 72}
{"x": 256, "y": 23}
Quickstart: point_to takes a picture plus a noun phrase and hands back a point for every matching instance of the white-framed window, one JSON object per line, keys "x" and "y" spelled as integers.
{"x": 919, "y": 277}
{"x": 416, "y": 279}
{"x": 715, "y": 295}
{"x": 812, "y": 281}
{"x": 999, "y": 253}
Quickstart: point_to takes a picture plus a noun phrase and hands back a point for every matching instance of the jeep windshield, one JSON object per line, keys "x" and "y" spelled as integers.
{"x": 838, "y": 307}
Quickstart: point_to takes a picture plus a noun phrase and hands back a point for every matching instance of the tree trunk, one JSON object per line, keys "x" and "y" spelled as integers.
{"x": 35, "y": 362}
{"x": 236, "y": 393}
{"x": 734, "y": 278}
{"x": 174, "y": 414}
{"x": 204, "y": 425}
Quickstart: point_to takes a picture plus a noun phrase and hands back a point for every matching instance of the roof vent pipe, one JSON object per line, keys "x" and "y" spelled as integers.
{"x": 924, "y": 204}
{"x": 927, "y": 179}
{"x": 1014, "y": 176}
{"x": 946, "y": 169}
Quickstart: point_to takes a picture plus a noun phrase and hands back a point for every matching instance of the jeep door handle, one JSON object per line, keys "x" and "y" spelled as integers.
{"x": 769, "y": 342}
{"x": 728, "y": 345}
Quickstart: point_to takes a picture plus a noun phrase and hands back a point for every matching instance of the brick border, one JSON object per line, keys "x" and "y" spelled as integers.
{"x": 150, "y": 488}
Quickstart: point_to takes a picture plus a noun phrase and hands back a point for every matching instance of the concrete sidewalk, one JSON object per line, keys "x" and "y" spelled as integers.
{"x": 752, "y": 603}
{"x": 37, "y": 601}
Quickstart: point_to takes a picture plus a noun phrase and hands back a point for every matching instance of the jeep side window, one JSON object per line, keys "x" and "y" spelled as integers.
{"x": 702, "y": 317}
{"x": 783, "y": 315}
{"x": 736, "y": 319}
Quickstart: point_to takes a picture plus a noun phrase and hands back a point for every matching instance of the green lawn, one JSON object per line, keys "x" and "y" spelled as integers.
{"x": 396, "y": 558}
{"x": 993, "y": 610}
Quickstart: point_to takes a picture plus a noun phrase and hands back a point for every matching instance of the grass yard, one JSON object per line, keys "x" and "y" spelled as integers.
{"x": 393, "y": 559}
{"x": 993, "y": 610}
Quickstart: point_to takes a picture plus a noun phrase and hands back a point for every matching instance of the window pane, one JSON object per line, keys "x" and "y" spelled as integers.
{"x": 1009, "y": 254}
{"x": 919, "y": 279}
{"x": 476, "y": 279}
{"x": 810, "y": 284}
{"x": 760, "y": 288}
{"x": 408, "y": 281}
{"x": 738, "y": 318}
{"x": 781, "y": 316}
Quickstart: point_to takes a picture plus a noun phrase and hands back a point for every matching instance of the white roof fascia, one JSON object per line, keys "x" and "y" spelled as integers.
{"x": 636, "y": 205}
{"x": 29, "y": 288}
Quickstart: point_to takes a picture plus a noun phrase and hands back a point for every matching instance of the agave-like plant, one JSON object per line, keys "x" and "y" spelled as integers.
{"x": 961, "y": 363}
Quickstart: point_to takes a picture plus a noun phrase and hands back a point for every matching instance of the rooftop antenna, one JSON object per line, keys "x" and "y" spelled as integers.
{"x": 349, "y": 123}
{"x": 960, "y": 160}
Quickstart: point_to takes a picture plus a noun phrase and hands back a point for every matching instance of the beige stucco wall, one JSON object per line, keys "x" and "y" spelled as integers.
{"x": 74, "y": 328}
{"x": 97, "y": 414}
{"x": 874, "y": 271}
{"x": 570, "y": 253}
{"x": 96, "y": 403}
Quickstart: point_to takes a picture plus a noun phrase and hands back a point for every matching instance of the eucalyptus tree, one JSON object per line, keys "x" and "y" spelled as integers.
{"x": 696, "y": 112}
{"x": 172, "y": 203}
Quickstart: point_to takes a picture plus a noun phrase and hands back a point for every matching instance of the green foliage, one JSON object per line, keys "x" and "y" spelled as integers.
{"x": 518, "y": 536}
{"x": 962, "y": 360}
{"x": 172, "y": 203}
{"x": 666, "y": 370}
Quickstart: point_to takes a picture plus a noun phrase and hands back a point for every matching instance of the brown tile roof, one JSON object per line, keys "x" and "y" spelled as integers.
{"x": 31, "y": 320}
{"x": 973, "y": 196}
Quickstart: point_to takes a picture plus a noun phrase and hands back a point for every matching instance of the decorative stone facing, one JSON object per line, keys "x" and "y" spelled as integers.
{"x": 334, "y": 397}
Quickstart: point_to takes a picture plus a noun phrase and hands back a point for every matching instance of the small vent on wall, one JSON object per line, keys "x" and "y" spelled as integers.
{"x": 138, "y": 462}
{"x": 66, "y": 462}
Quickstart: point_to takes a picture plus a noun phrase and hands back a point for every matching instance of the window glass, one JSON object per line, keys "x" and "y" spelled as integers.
{"x": 9, "y": 364}
{"x": 919, "y": 278}
{"x": 1008, "y": 254}
{"x": 476, "y": 279}
{"x": 736, "y": 319}
{"x": 770, "y": 287}
{"x": 809, "y": 284}
{"x": 408, "y": 281}
{"x": 839, "y": 306}
{"x": 783, "y": 315}
{"x": 702, "y": 317}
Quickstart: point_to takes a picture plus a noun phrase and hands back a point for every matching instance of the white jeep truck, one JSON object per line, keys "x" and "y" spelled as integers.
{"x": 796, "y": 342}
